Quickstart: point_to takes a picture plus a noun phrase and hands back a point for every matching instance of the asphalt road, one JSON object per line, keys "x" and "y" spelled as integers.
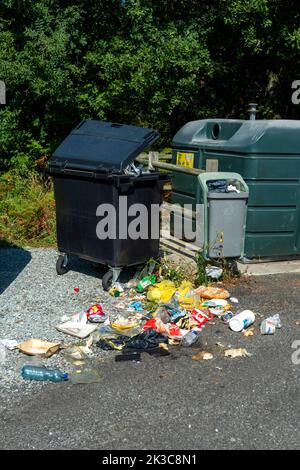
{"x": 174, "y": 402}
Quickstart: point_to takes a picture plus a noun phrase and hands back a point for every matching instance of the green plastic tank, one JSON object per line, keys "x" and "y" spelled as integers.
{"x": 266, "y": 153}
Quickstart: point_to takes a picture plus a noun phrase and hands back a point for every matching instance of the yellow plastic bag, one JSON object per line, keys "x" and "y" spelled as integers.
{"x": 186, "y": 297}
{"x": 164, "y": 290}
{"x": 161, "y": 292}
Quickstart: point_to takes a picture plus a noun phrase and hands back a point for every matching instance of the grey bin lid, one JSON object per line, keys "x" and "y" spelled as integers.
{"x": 102, "y": 146}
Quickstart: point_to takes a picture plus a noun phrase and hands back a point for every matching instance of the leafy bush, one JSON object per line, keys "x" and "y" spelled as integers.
{"x": 144, "y": 62}
{"x": 27, "y": 211}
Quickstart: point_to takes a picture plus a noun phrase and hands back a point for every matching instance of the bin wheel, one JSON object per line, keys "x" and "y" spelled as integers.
{"x": 107, "y": 280}
{"x": 61, "y": 265}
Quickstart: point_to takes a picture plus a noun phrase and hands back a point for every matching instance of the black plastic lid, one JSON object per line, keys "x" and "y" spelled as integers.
{"x": 102, "y": 146}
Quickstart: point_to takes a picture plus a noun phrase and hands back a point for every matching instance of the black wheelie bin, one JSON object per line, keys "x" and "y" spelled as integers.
{"x": 94, "y": 177}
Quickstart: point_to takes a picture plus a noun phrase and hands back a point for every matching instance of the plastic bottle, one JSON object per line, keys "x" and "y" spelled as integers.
{"x": 242, "y": 320}
{"x": 85, "y": 376}
{"x": 43, "y": 374}
{"x": 146, "y": 282}
{"x": 190, "y": 338}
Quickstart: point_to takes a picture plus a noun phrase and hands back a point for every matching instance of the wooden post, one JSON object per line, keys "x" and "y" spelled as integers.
{"x": 153, "y": 157}
{"x": 212, "y": 165}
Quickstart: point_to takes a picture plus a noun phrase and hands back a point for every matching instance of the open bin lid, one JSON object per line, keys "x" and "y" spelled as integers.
{"x": 102, "y": 147}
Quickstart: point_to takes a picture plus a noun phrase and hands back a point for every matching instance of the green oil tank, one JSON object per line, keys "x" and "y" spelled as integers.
{"x": 266, "y": 153}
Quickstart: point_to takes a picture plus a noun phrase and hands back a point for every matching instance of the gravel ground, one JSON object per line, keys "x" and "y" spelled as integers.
{"x": 34, "y": 299}
{"x": 159, "y": 403}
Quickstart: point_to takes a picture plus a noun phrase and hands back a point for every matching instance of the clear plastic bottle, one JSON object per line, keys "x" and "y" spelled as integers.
{"x": 190, "y": 338}
{"x": 85, "y": 376}
{"x": 43, "y": 374}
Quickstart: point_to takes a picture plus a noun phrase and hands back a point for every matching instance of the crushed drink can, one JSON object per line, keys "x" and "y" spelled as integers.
{"x": 267, "y": 327}
{"x": 227, "y": 316}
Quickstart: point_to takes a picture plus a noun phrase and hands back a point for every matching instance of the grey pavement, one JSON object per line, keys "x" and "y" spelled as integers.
{"x": 160, "y": 403}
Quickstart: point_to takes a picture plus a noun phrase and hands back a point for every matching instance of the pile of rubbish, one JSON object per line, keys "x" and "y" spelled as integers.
{"x": 154, "y": 313}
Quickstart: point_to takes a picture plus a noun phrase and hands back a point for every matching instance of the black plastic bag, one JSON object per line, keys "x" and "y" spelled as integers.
{"x": 217, "y": 186}
{"x": 110, "y": 344}
{"x": 146, "y": 340}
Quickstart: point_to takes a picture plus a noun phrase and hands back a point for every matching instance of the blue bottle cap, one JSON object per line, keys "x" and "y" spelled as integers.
{"x": 66, "y": 376}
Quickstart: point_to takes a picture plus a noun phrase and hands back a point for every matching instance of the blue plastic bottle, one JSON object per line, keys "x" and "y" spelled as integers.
{"x": 43, "y": 374}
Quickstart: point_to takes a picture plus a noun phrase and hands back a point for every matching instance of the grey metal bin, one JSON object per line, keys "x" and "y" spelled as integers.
{"x": 224, "y": 215}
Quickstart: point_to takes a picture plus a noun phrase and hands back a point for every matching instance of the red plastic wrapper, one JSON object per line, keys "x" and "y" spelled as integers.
{"x": 169, "y": 329}
{"x": 200, "y": 317}
{"x": 95, "y": 314}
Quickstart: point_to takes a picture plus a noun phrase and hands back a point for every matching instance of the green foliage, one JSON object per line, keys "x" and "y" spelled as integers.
{"x": 172, "y": 271}
{"x": 27, "y": 212}
{"x": 201, "y": 278}
{"x": 144, "y": 62}
{"x": 175, "y": 273}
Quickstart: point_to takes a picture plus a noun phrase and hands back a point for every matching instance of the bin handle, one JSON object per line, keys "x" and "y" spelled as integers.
{"x": 72, "y": 172}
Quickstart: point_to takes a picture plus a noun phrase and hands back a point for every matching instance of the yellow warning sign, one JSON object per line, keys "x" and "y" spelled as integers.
{"x": 185, "y": 159}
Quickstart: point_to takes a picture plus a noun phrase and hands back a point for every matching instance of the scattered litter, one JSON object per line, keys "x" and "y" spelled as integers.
{"x": 110, "y": 344}
{"x": 146, "y": 282}
{"x": 95, "y": 314}
{"x": 85, "y": 376}
{"x": 131, "y": 284}
{"x": 38, "y": 347}
{"x": 202, "y": 355}
{"x": 240, "y": 352}
{"x": 170, "y": 329}
{"x": 135, "y": 306}
{"x": 161, "y": 292}
{"x": 268, "y": 326}
{"x": 78, "y": 330}
{"x": 10, "y": 344}
{"x": 190, "y": 338}
{"x": 200, "y": 317}
{"x": 212, "y": 292}
{"x": 216, "y": 303}
{"x": 123, "y": 324}
{"x": 30, "y": 372}
{"x": 116, "y": 290}
{"x": 147, "y": 315}
{"x": 214, "y": 272}
{"x": 79, "y": 352}
{"x": 227, "y": 316}
{"x": 148, "y": 339}
{"x": 248, "y": 332}
{"x": 242, "y": 320}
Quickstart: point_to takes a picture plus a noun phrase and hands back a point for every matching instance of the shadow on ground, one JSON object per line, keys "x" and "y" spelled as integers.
{"x": 11, "y": 266}
{"x": 98, "y": 270}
